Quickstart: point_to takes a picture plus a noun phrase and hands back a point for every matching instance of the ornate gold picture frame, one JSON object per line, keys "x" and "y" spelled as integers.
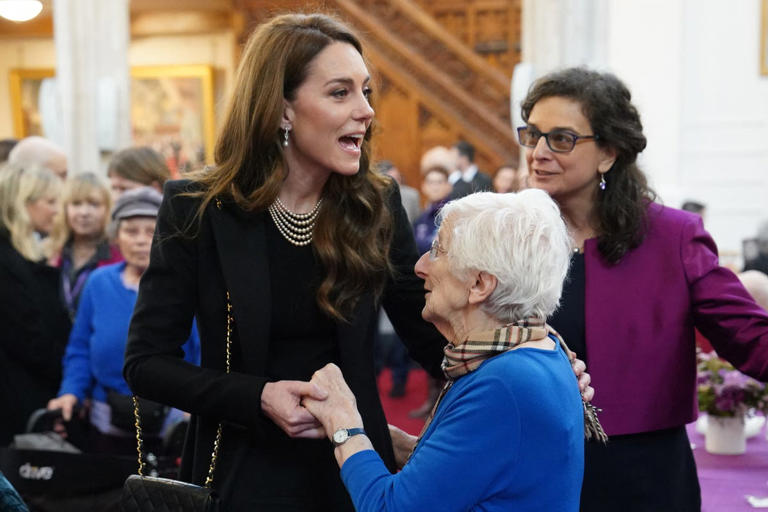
{"x": 172, "y": 109}
{"x": 25, "y": 93}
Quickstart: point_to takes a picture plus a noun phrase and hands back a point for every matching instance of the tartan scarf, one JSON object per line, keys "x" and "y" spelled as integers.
{"x": 466, "y": 357}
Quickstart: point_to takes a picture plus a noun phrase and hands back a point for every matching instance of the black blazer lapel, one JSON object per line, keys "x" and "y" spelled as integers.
{"x": 240, "y": 242}
{"x": 355, "y": 352}
{"x": 356, "y": 362}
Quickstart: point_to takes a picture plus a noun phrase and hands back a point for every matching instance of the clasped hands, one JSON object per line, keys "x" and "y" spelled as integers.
{"x": 315, "y": 409}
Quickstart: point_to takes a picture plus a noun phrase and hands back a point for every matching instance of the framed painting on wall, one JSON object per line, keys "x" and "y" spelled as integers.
{"x": 171, "y": 110}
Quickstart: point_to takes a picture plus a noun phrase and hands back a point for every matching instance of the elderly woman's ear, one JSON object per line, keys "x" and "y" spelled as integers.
{"x": 483, "y": 286}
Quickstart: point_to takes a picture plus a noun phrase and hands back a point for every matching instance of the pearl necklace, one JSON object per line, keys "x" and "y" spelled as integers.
{"x": 297, "y": 228}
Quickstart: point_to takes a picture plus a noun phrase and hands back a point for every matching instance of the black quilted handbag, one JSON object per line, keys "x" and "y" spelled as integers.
{"x": 148, "y": 493}
{"x": 152, "y": 494}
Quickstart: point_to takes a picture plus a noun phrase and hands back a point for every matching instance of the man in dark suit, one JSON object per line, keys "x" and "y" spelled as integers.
{"x": 467, "y": 179}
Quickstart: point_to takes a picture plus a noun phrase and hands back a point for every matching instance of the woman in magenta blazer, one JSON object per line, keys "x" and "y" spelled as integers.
{"x": 642, "y": 277}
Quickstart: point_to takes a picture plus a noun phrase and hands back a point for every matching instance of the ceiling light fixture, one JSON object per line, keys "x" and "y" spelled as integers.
{"x": 20, "y": 10}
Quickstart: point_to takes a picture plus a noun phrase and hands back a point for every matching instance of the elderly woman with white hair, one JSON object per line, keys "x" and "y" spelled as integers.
{"x": 508, "y": 431}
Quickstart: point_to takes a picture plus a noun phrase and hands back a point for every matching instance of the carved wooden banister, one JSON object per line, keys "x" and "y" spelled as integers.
{"x": 496, "y": 150}
{"x": 479, "y": 106}
{"x": 452, "y": 45}
{"x": 419, "y": 34}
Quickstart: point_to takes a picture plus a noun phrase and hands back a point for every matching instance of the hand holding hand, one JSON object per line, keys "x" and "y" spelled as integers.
{"x": 281, "y": 402}
{"x": 339, "y": 409}
{"x": 403, "y": 444}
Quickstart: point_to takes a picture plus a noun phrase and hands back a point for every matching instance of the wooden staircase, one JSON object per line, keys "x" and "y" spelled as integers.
{"x": 433, "y": 89}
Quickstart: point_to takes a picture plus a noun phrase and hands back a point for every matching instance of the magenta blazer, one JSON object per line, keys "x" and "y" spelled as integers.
{"x": 640, "y": 316}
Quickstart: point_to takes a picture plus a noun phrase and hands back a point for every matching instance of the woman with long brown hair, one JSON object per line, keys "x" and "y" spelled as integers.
{"x": 293, "y": 230}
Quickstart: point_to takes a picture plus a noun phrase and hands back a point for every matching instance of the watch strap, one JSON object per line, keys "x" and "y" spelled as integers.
{"x": 350, "y": 432}
{"x": 355, "y": 431}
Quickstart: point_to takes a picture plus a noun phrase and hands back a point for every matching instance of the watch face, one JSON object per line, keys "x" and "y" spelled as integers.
{"x": 340, "y": 436}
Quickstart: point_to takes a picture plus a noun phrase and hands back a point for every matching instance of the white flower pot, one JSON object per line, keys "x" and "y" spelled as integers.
{"x": 753, "y": 425}
{"x": 725, "y": 436}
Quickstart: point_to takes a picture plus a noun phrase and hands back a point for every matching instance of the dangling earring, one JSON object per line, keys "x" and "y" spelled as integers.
{"x": 602, "y": 181}
{"x": 285, "y": 136}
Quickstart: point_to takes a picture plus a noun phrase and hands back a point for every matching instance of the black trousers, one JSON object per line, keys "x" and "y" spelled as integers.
{"x": 651, "y": 471}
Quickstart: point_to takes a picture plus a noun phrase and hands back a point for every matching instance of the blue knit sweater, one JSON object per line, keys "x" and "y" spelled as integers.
{"x": 93, "y": 361}
{"x": 508, "y": 436}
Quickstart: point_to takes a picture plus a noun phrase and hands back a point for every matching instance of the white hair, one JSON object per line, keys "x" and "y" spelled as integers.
{"x": 520, "y": 239}
{"x": 35, "y": 151}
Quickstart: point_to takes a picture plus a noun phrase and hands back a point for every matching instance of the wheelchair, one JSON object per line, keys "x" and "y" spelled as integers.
{"x": 61, "y": 475}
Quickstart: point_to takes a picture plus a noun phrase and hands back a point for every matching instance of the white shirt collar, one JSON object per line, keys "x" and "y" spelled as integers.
{"x": 469, "y": 174}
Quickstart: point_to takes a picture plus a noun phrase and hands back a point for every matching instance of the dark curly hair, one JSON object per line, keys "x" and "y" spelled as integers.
{"x": 620, "y": 209}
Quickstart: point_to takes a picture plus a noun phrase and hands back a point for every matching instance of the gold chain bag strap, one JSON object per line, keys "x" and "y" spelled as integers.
{"x": 143, "y": 493}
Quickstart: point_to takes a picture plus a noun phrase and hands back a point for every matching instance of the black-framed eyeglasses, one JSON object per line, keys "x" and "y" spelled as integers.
{"x": 435, "y": 249}
{"x": 559, "y": 141}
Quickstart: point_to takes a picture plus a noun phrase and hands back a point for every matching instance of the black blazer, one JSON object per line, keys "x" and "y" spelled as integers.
{"x": 481, "y": 182}
{"x": 34, "y": 332}
{"x": 189, "y": 275}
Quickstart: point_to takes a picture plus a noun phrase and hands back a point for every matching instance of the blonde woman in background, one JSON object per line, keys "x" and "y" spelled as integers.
{"x": 79, "y": 239}
{"x": 34, "y": 323}
{"x": 135, "y": 168}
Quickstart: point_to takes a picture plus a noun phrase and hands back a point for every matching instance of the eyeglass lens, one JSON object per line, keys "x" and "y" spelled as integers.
{"x": 433, "y": 249}
{"x": 557, "y": 140}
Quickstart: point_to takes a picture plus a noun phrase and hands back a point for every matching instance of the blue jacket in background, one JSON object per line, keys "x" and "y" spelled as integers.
{"x": 425, "y": 228}
{"x": 93, "y": 361}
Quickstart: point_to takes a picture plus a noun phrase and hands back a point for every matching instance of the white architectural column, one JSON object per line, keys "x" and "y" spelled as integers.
{"x": 93, "y": 79}
{"x": 562, "y": 33}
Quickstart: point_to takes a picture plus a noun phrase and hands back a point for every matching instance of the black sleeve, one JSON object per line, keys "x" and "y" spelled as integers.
{"x": 403, "y": 298}
{"x": 34, "y": 331}
{"x": 168, "y": 296}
